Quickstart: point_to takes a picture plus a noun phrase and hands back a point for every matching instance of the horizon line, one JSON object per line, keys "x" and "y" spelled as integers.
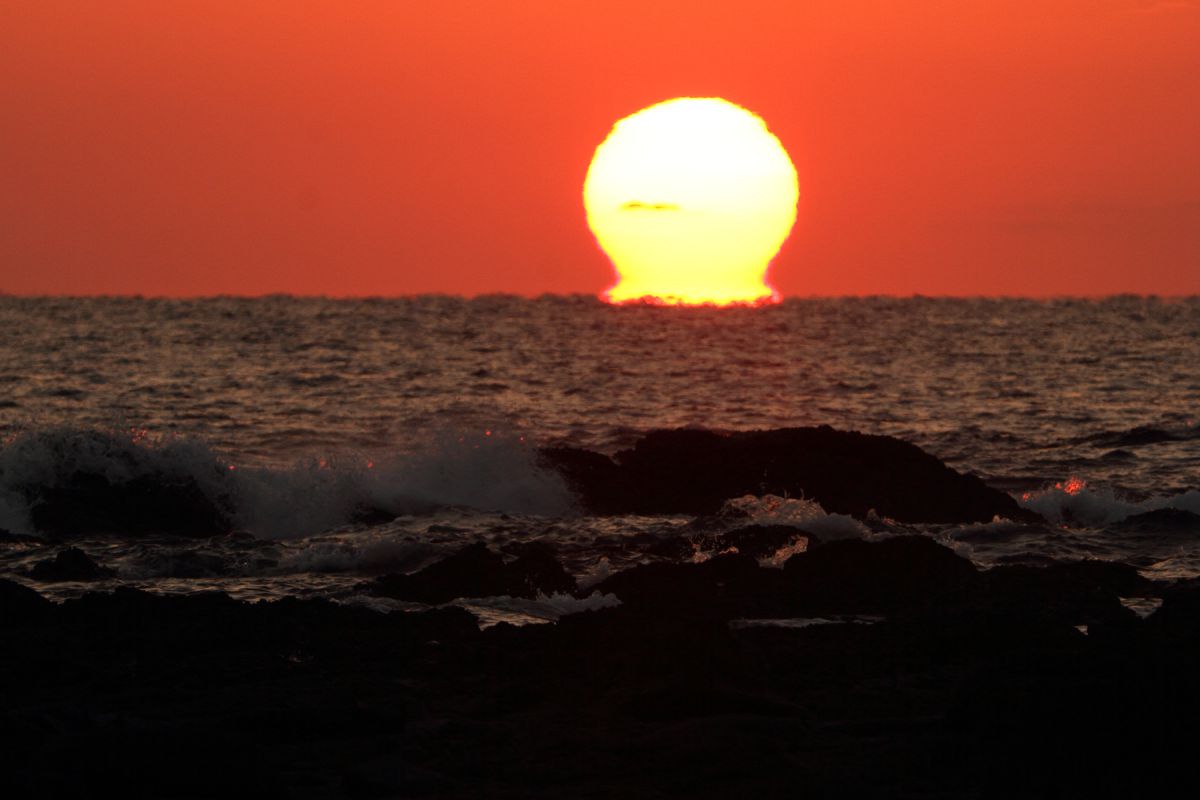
{"x": 597, "y": 296}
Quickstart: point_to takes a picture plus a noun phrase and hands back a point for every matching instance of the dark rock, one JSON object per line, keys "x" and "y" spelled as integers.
{"x": 603, "y": 486}
{"x": 369, "y": 515}
{"x": 696, "y": 471}
{"x": 89, "y": 504}
{"x": 536, "y": 570}
{"x": 20, "y": 604}
{"x": 1161, "y": 521}
{"x": 671, "y": 703}
{"x": 213, "y": 621}
{"x": 756, "y": 541}
{"x": 190, "y": 564}
{"x": 632, "y": 647}
{"x": 475, "y": 571}
{"x": 392, "y": 776}
{"x": 1134, "y": 437}
{"x": 673, "y": 548}
{"x": 1074, "y": 593}
{"x": 724, "y": 586}
{"x": 71, "y": 564}
{"x": 95, "y": 482}
{"x": 853, "y": 576}
{"x": 1179, "y": 614}
{"x": 202, "y": 696}
{"x": 8, "y": 537}
{"x": 763, "y": 541}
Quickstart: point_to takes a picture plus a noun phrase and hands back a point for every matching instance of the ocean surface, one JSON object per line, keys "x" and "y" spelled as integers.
{"x": 299, "y": 411}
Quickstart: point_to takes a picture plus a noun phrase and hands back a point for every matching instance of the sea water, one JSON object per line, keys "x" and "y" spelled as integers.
{"x": 430, "y": 409}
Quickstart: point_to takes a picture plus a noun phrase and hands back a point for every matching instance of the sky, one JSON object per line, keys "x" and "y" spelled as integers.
{"x": 1018, "y": 147}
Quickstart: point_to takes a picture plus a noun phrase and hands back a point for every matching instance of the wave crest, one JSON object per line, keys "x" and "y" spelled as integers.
{"x": 66, "y": 482}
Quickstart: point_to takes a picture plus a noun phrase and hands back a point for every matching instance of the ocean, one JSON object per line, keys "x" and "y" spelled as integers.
{"x": 294, "y": 415}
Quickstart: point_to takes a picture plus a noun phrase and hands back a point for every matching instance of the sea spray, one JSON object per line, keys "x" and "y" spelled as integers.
{"x": 1077, "y": 503}
{"x": 64, "y": 479}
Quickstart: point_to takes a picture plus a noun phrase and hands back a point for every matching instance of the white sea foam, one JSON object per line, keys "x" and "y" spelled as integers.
{"x": 525, "y": 611}
{"x": 780, "y": 556}
{"x": 1076, "y": 503}
{"x": 596, "y": 573}
{"x": 486, "y": 473}
{"x": 797, "y": 512}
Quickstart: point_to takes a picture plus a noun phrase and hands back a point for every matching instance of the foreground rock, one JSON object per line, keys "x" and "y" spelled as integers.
{"x": 475, "y": 571}
{"x": 92, "y": 482}
{"x": 857, "y": 577}
{"x": 20, "y": 605}
{"x": 723, "y": 587}
{"x": 959, "y": 692}
{"x": 71, "y": 564}
{"x": 756, "y": 541}
{"x": 696, "y": 471}
{"x": 89, "y": 504}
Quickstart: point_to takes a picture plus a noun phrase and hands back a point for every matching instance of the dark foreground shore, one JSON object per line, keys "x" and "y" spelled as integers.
{"x": 890, "y": 668}
{"x": 950, "y": 683}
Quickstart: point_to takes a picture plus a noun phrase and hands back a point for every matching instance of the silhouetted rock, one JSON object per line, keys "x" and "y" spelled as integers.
{"x": 91, "y": 482}
{"x": 392, "y": 776}
{"x": 1161, "y": 521}
{"x": 1179, "y": 614}
{"x": 370, "y": 515}
{"x": 1134, "y": 437}
{"x": 756, "y": 541}
{"x": 8, "y": 537}
{"x": 20, "y": 604}
{"x": 475, "y": 571}
{"x": 763, "y": 541}
{"x": 193, "y": 564}
{"x": 724, "y": 586}
{"x": 696, "y": 471}
{"x": 1075, "y": 593}
{"x": 203, "y": 696}
{"x": 853, "y": 576}
{"x": 71, "y": 564}
{"x": 90, "y": 503}
{"x": 536, "y": 570}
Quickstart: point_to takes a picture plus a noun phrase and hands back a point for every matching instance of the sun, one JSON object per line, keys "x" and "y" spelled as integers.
{"x": 691, "y": 198}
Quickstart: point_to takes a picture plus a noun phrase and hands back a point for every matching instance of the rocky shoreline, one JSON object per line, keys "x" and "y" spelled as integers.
{"x": 878, "y": 667}
{"x": 924, "y": 678}
{"x": 693, "y": 471}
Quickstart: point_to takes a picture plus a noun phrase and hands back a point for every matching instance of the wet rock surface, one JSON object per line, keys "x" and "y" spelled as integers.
{"x": 71, "y": 564}
{"x": 694, "y": 471}
{"x": 476, "y": 571}
{"x": 89, "y": 504}
{"x": 963, "y": 675}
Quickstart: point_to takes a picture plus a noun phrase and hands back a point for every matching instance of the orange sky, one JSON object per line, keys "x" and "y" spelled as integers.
{"x": 1012, "y": 147}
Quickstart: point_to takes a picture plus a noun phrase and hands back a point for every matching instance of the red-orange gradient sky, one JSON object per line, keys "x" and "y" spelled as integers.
{"x": 1027, "y": 147}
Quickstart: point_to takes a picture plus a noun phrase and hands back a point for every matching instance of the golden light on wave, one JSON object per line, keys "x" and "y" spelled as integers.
{"x": 691, "y": 199}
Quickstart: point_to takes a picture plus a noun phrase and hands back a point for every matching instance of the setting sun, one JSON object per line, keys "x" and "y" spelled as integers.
{"x": 691, "y": 199}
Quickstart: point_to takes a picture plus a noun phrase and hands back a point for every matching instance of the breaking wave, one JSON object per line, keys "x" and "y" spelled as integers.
{"x": 1076, "y": 503}
{"x": 795, "y": 512}
{"x": 81, "y": 481}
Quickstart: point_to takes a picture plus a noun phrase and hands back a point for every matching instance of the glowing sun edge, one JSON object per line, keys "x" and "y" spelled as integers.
{"x": 691, "y": 219}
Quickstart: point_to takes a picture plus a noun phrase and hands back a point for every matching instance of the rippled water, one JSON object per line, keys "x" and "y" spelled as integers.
{"x": 1025, "y": 393}
{"x": 1005, "y": 387}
